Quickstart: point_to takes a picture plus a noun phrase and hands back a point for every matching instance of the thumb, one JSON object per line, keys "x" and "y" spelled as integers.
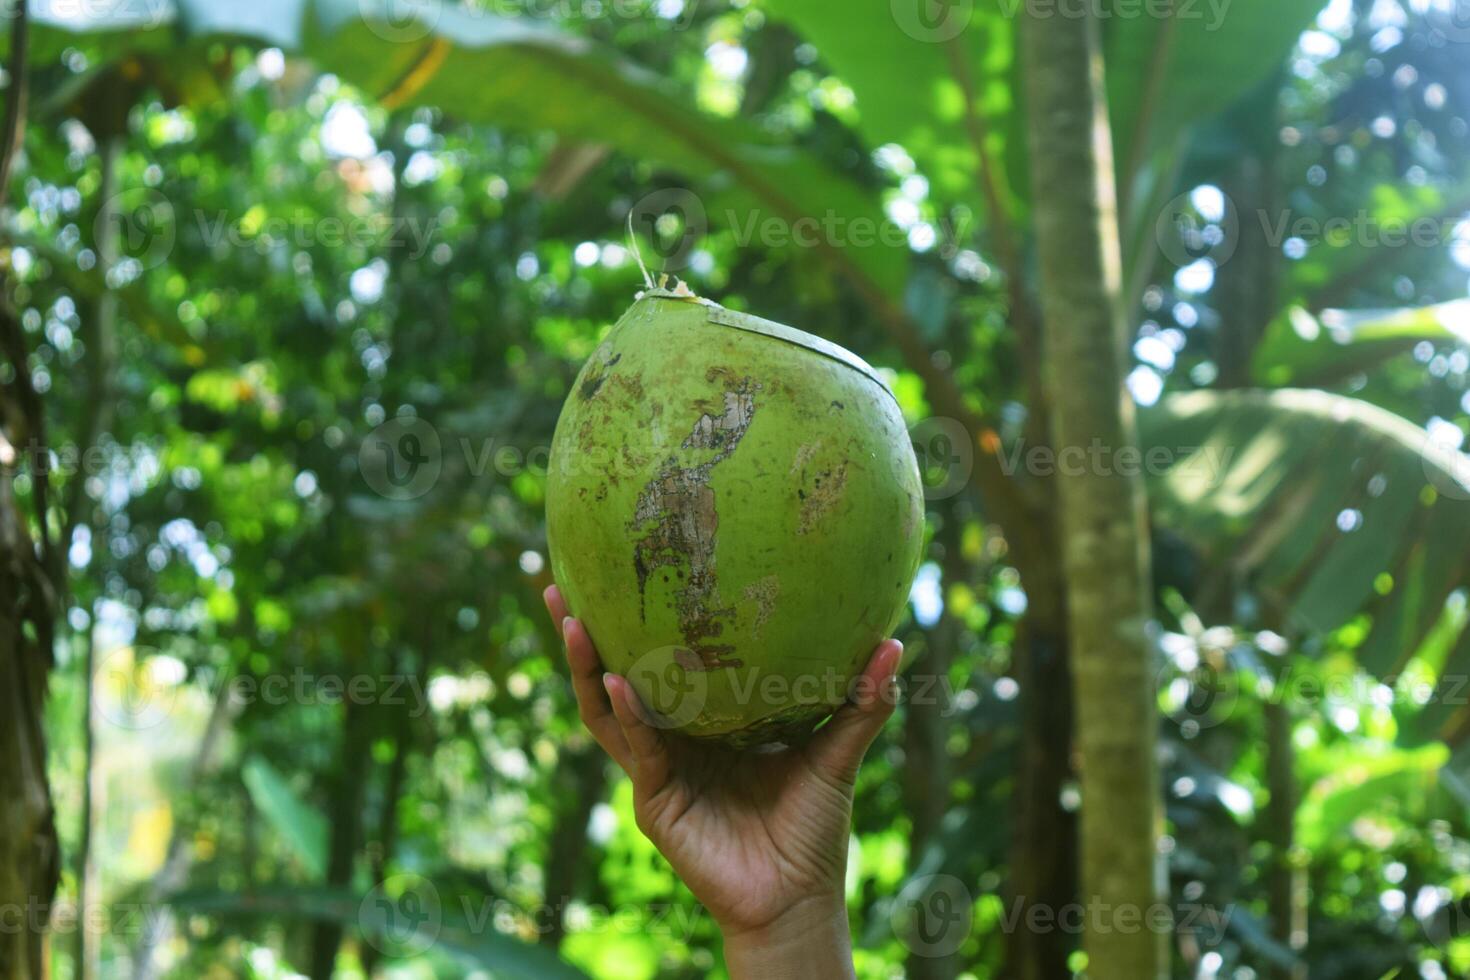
{"x": 840, "y": 745}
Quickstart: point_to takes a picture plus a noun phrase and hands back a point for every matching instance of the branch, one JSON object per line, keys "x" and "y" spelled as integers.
{"x": 101, "y": 344}
{"x": 1005, "y": 238}
{"x": 1143, "y": 125}
{"x": 12, "y": 336}
{"x": 1000, "y": 216}
{"x": 33, "y": 428}
{"x": 1024, "y": 314}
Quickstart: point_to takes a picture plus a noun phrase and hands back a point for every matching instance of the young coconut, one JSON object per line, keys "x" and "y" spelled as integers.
{"x": 735, "y": 513}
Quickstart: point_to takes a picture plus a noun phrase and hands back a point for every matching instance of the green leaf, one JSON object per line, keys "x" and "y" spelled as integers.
{"x": 479, "y": 67}
{"x": 484, "y": 68}
{"x": 276, "y": 22}
{"x": 1345, "y": 257}
{"x": 1329, "y": 506}
{"x": 1366, "y": 783}
{"x": 1443, "y": 717}
{"x": 914, "y": 73}
{"x": 1167, "y": 73}
{"x": 1170, "y": 81}
{"x": 1256, "y": 936}
{"x": 112, "y": 29}
{"x": 1300, "y": 349}
{"x": 160, "y": 324}
{"x": 301, "y": 826}
{"x": 120, "y": 16}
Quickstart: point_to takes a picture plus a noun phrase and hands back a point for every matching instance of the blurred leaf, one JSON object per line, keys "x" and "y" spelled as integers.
{"x": 1254, "y": 935}
{"x": 301, "y": 826}
{"x": 159, "y": 324}
{"x": 1300, "y": 349}
{"x": 914, "y": 74}
{"x": 482, "y": 68}
{"x": 1165, "y": 73}
{"x": 1382, "y": 234}
{"x": 1312, "y": 498}
{"x": 1364, "y": 785}
{"x": 479, "y": 67}
{"x": 276, "y": 22}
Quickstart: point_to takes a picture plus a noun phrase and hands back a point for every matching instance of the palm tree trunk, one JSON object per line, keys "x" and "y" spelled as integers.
{"x": 1104, "y": 542}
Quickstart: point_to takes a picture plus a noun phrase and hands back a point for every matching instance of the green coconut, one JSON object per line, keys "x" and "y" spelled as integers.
{"x": 735, "y": 513}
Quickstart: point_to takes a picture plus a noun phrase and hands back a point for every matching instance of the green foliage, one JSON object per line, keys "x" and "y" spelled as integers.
{"x": 301, "y": 826}
{"x": 1331, "y": 505}
{"x": 459, "y": 265}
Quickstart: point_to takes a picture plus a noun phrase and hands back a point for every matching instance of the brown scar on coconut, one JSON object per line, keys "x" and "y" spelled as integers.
{"x": 679, "y": 521}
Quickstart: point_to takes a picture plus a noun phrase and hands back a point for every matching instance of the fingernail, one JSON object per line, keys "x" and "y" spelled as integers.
{"x": 566, "y": 622}
{"x": 895, "y": 657}
{"x": 607, "y": 683}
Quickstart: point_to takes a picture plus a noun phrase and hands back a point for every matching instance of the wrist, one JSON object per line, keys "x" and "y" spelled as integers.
{"x": 809, "y": 941}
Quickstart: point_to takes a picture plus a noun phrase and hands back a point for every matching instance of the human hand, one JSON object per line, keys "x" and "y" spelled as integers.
{"x": 760, "y": 837}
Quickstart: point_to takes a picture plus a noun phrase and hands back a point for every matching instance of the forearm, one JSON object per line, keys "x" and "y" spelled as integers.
{"x": 811, "y": 942}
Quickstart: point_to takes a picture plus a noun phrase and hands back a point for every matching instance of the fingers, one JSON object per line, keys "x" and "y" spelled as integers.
{"x": 650, "y": 754}
{"x": 556, "y": 604}
{"x": 586, "y": 669}
{"x": 840, "y": 745}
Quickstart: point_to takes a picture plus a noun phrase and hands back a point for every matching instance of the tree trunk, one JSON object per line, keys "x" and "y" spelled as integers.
{"x": 84, "y": 947}
{"x": 1286, "y": 885}
{"x": 1246, "y": 281}
{"x": 30, "y": 860}
{"x": 101, "y": 361}
{"x": 1044, "y": 870}
{"x": 584, "y": 777}
{"x": 926, "y": 775}
{"x": 1104, "y": 544}
{"x": 29, "y": 854}
{"x": 346, "y": 815}
{"x": 381, "y": 851}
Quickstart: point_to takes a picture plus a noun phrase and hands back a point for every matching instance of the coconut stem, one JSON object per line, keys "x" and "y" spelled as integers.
{"x": 633, "y": 241}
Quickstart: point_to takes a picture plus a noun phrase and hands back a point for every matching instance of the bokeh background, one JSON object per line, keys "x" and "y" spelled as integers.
{"x": 299, "y": 288}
